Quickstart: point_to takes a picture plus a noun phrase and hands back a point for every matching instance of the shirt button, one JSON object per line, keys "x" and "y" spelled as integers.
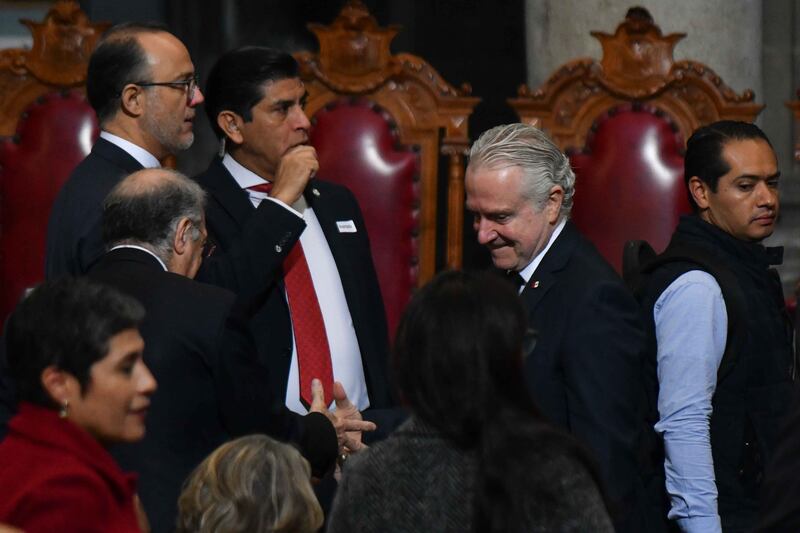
{"x": 278, "y": 248}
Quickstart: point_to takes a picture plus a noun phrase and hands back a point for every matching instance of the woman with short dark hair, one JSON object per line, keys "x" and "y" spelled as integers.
{"x": 75, "y": 355}
{"x": 475, "y": 455}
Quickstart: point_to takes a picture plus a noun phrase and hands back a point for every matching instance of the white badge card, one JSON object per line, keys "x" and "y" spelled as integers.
{"x": 346, "y": 226}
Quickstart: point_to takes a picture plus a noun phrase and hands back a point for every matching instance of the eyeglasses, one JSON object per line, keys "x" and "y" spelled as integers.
{"x": 189, "y": 86}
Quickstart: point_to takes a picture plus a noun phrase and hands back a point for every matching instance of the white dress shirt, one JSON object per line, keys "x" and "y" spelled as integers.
{"x": 145, "y": 158}
{"x": 527, "y": 272}
{"x": 345, "y": 352}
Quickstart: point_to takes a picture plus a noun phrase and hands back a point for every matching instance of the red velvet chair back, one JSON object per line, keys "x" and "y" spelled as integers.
{"x": 633, "y": 166}
{"x": 46, "y": 128}
{"x": 357, "y": 145}
{"x": 625, "y": 120}
{"x": 360, "y": 145}
{"x": 56, "y": 133}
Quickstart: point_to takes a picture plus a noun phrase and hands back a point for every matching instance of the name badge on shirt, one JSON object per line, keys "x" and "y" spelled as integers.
{"x": 346, "y": 226}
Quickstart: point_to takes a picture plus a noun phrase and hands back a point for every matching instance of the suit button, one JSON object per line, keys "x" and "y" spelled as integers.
{"x": 278, "y": 248}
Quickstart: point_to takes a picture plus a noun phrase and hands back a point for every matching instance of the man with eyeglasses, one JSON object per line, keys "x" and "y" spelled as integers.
{"x": 143, "y": 87}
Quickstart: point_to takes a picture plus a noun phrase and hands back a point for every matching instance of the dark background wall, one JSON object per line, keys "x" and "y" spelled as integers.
{"x": 467, "y": 41}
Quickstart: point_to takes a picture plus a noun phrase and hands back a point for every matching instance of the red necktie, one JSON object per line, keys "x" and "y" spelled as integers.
{"x": 311, "y": 341}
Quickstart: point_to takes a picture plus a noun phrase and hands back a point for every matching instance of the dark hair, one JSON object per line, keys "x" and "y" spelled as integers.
{"x": 236, "y": 81}
{"x": 458, "y": 364}
{"x": 118, "y": 60}
{"x": 145, "y": 207}
{"x": 67, "y": 323}
{"x": 704, "y": 149}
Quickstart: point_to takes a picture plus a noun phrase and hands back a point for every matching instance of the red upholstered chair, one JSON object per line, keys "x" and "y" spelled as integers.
{"x": 380, "y": 123}
{"x": 624, "y": 122}
{"x": 47, "y": 128}
{"x": 358, "y": 146}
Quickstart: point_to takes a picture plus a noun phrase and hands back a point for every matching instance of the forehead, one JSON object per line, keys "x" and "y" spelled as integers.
{"x": 750, "y": 157}
{"x": 122, "y": 344}
{"x": 166, "y": 55}
{"x": 286, "y": 89}
{"x": 492, "y": 188}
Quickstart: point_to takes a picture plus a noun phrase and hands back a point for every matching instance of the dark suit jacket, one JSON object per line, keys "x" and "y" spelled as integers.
{"x": 229, "y": 213}
{"x": 74, "y": 237}
{"x": 210, "y": 385}
{"x": 75, "y": 240}
{"x": 586, "y": 370}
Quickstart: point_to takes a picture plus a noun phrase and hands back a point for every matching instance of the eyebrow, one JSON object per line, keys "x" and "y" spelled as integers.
{"x": 754, "y": 177}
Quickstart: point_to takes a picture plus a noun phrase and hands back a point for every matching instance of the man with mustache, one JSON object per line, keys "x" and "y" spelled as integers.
{"x": 324, "y": 312}
{"x": 142, "y": 84}
{"x": 724, "y": 344}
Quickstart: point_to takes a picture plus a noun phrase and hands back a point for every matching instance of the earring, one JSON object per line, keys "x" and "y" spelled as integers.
{"x": 63, "y": 411}
{"x": 221, "y": 152}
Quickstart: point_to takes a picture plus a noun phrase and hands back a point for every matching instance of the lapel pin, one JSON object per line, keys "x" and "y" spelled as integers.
{"x": 315, "y": 191}
{"x": 535, "y": 284}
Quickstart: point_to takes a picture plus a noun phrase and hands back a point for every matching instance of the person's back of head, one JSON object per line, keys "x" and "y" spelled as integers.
{"x": 458, "y": 364}
{"x": 160, "y": 210}
{"x": 253, "y": 484}
{"x": 458, "y": 355}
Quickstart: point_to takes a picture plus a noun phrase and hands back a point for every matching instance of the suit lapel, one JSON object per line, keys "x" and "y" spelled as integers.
{"x": 547, "y": 273}
{"x": 226, "y": 191}
{"x": 111, "y": 152}
{"x": 325, "y": 211}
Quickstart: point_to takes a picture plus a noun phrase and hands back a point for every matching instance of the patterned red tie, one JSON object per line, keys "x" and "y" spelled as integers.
{"x": 313, "y": 351}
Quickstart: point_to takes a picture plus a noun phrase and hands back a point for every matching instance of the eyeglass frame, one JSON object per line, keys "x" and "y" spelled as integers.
{"x": 188, "y": 86}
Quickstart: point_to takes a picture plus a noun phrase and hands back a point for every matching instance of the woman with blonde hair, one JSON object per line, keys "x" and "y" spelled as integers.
{"x": 251, "y": 484}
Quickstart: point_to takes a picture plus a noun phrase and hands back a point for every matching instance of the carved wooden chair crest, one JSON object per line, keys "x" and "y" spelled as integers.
{"x": 46, "y": 129}
{"x": 380, "y": 123}
{"x": 624, "y": 122}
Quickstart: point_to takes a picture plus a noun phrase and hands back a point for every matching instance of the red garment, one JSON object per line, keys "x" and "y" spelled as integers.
{"x": 55, "y": 477}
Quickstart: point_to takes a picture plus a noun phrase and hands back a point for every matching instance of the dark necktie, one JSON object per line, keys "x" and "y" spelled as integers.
{"x": 515, "y": 278}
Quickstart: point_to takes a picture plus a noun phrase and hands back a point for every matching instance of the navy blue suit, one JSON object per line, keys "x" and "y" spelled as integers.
{"x": 586, "y": 370}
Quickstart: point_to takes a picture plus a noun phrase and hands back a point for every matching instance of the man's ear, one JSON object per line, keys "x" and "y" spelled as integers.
{"x": 182, "y": 236}
{"x": 553, "y": 206}
{"x": 132, "y": 100}
{"x": 231, "y": 125}
{"x": 700, "y": 191}
{"x": 58, "y": 384}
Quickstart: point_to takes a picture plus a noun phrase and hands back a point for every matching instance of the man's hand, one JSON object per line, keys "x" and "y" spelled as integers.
{"x": 346, "y": 419}
{"x": 297, "y": 166}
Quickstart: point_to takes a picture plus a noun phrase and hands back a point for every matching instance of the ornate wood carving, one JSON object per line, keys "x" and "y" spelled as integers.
{"x": 355, "y": 59}
{"x": 637, "y": 65}
{"x": 58, "y": 59}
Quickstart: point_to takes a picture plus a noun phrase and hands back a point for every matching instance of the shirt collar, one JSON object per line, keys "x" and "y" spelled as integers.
{"x": 243, "y": 176}
{"x": 135, "y": 247}
{"x": 145, "y": 158}
{"x": 528, "y": 271}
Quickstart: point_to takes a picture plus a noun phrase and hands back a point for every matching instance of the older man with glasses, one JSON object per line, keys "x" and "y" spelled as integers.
{"x": 143, "y": 87}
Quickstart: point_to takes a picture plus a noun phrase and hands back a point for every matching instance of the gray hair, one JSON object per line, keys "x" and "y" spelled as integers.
{"x": 145, "y": 208}
{"x": 529, "y": 148}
